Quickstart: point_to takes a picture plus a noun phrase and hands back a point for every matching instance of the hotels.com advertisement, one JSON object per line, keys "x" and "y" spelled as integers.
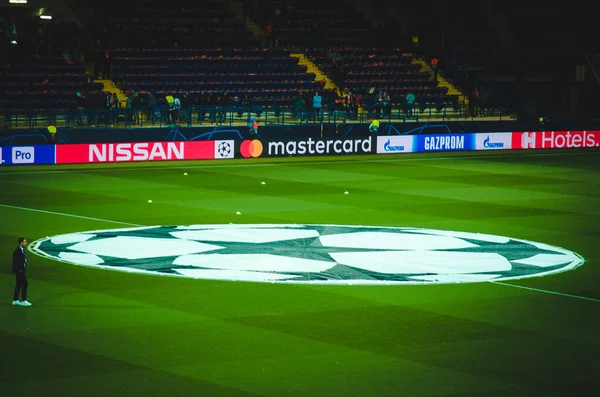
{"x": 225, "y": 149}
{"x": 555, "y": 139}
{"x": 143, "y": 151}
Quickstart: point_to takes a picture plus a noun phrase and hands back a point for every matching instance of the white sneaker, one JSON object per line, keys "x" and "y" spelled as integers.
{"x": 25, "y": 303}
{"x": 16, "y": 303}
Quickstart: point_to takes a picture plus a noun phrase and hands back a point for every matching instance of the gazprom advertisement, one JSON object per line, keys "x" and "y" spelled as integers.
{"x": 395, "y": 144}
{"x": 17, "y": 155}
{"x": 200, "y": 150}
{"x": 444, "y": 143}
{"x": 493, "y": 141}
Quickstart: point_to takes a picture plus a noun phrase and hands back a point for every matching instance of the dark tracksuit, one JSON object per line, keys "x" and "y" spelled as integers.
{"x": 19, "y": 267}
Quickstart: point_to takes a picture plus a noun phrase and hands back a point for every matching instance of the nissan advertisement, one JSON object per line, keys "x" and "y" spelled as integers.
{"x": 253, "y": 148}
{"x": 143, "y": 151}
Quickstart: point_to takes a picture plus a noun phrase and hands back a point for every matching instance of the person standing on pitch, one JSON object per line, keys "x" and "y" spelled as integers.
{"x": 19, "y": 266}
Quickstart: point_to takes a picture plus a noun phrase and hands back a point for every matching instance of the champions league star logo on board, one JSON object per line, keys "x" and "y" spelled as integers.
{"x": 224, "y": 149}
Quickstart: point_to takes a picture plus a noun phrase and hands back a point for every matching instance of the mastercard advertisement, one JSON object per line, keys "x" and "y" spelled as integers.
{"x": 251, "y": 148}
{"x": 254, "y": 148}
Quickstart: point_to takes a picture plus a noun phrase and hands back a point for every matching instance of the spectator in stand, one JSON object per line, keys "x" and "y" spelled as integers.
{"x": 223, "y": 104}
{"x": 97, "y": 61}
{"x": 213, "y": 104}
{"x": 154, "y": 112}
{"x": 410, "y": 103}
{"x": 387, "y": 105}
{"x": 269, "y": 35}
{"x": 349, "y": 103}
{"x": 379, "y": 105}
{"x": 185, "y": 103}
{"x": 203, "y": 102}
{"x": 247, "y": 103}
{"x": 236, "y": 105}
{"x": 370, "y": 102}
{"x": 483, "y": 99}
{"x": 107, "y": 96}
{"x": 136, "y": 104}
{"x": 115, "y": 105}
{"x": 434, "y": 66}
{"x": 174, "y": 108}
{"x": 300, "y": 108}
{"x": 277, "y": 13}
{"x": 88, "y": 81}
{"x": 357, "y": 104}
{"x": 415, "y": 44}
{"x": 114, "y": 101}
{"x": 129, "y": 109}
{"x": 317, "y": 105}
{"x": 80, "y": 99}
{"x": 476, "y": 103}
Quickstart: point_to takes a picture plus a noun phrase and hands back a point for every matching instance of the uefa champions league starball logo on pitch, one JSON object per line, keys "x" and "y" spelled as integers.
{"x": 319, "y": 254}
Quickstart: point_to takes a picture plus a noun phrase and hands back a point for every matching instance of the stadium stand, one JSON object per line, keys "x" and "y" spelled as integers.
{"x": 206, "y": 54}
{"x": 264, "y": 54}
{"x": 42, "y": 83}
{"x": 153, "y": 24}
{"x": 439, "y": 24}
{"x": 550, "y": 26}
{"x": 267, "y": 77}
{"x": 391, "y": 71}
{"x": 533, "y": 62}
{"x": 359, "y": 58}
{"x": 40, "y": 66}
{"x": 302, "y": 23}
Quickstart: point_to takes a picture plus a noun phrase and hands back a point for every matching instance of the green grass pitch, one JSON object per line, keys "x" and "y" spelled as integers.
{"x": 94, "y": 332}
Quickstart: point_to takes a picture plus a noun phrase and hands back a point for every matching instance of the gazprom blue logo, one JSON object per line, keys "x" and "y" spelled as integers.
{"x": 389, "y": 148}
{"x": 443, "y": 143}
{"x": 492, "y": 145}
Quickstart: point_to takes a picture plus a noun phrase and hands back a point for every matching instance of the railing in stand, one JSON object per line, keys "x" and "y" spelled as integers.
{"x": 195, "y": 116}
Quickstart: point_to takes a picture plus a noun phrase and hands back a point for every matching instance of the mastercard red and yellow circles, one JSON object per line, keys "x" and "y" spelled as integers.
{"x": 251, "y": 148}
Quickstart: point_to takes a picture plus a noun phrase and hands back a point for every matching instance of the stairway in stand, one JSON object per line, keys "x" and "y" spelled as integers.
{"x": 249, "y": 24}
{"x": 442, "y": 82}
{"x": 312, "y": 68}
{"x": 593, "y": 63}
{"x": 110, "y": 86}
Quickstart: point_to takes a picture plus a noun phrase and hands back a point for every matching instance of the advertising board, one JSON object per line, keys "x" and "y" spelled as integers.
{"x": 395, "y": 144}
{"x": 18, "y": 155}
{"x": 143, "y": 151}
{"x": 308, "y": 147}
{"x": 493, "y": 141}
{"x": 555, "y": 139}
{"x": 443, "y": 142}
